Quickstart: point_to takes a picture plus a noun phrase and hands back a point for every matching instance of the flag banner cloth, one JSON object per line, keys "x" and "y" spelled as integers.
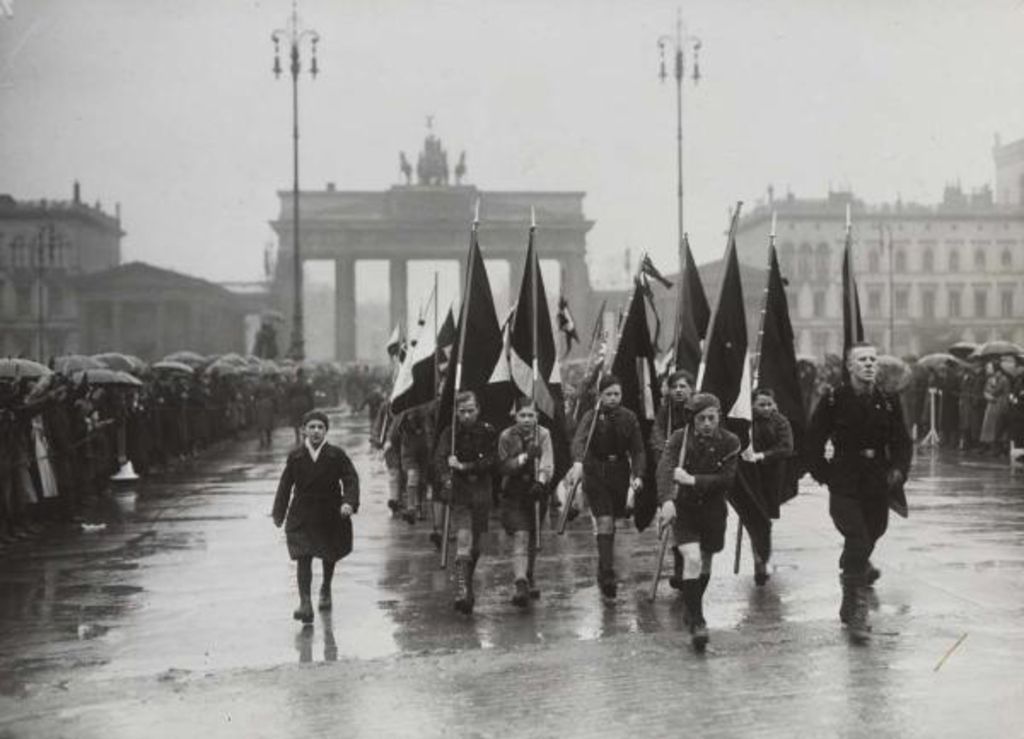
{"x": 634, "y": 366}
{"x": 416, "y": 380}
{"x": 567, "y": 325}
{"x": 777, "y": 369}
{"x": 725, "y": 373}
{"x": 692, "y": 315}
{"x": 533, "y": 329}
{"x": 396, "y": 345}
{"x": 478, "y": 360}
{"x": 586, "y": 390}
{"x": 853, "y": 328}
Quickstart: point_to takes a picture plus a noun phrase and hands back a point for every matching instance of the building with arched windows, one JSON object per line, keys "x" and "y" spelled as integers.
{"x": 928, "y": 275}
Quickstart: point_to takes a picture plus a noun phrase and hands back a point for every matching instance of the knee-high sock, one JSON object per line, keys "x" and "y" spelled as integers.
{"x": 305, "y": 575}
{"x": 328, "y": 575}
{"x": 520, "y": 554}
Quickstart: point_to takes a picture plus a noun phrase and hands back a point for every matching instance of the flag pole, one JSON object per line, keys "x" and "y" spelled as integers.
{"x": 764, "y": 307}
{"x": 534, "y": 265}
{"x": 463, "y": 320}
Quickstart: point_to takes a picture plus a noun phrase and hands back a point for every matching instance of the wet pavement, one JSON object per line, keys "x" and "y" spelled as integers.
{"x": 176, "y": 617}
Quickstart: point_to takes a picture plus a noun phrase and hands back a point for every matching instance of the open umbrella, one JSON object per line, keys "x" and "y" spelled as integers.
{"x": 893, "y": 374}
{"x": 997, "y": 349}
{"x": 169, "y": 366}
{"x": 939, "y": 360}
{"x": 71, "y": 363}
{"x": 14, "y": 369}
{"x": 122, "y": 362}
{"x": 963, "y": 349}
{"x": 104, "y": 376}
{"x": 185, "y": 357}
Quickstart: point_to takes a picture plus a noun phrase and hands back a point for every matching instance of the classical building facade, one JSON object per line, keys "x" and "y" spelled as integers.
{"x": 44, "y": 246}
{"x": 150, "y": 312}
{"x": 426, "y": 220}
{"x": 927, "y": 276}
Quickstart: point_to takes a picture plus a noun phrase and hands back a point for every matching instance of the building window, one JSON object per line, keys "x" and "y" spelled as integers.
{"x": 1006, "y": 303}
{"x": 820, "y": 343}
{"x": 819, "y": 304}
{"x": 928, "y": 304}
{"x": 979, "y": 259}
{"x": 874, "y": 262}
{"x": 786, "y": 259}
{"x": 23, "y": 301}
{"x": 955, "y": 309}
{"x": 980, "y": 303}
{"x": 954, "y": 261}
{"x": 874, "y": 303}
{"x": 803, "y": 267}
{"x": 1006, "y": 260}
{"x": 928, "y": 261}
{"x": 901, "y": 261}
{"x": 901, "y": 301}
{"x": 821, "y": 261}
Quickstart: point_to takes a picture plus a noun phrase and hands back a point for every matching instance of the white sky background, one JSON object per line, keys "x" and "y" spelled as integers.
{"x": 170, "y": 107}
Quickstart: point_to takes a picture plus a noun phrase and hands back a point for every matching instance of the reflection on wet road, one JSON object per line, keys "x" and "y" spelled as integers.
{"x": 188, "y": 592}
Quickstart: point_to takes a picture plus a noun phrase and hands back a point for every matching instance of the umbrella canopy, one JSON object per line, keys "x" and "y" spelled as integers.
{"x": 997, "y": 349}
{"x": 15, "y": 369}
{"x": 222, "y": 368}
{"x": 963, "y": 349}
{"x": 939, "y": 360}
{"x": 122, "y": 362}
{"x": 71, "y": 363}
{"x": 232, "y": 358}
{"x": 893, "y": 374}
{"x": 190, "y": 358}
{"x": 104, "y": 376}
{"x": 171, "y": 366}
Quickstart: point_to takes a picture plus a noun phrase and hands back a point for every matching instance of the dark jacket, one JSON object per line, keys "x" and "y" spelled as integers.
{"x": 863, "y": 428}
{"x": 712, "y": 460}
{"x": 665, "y": 425}
{"x": 476, "y": 447}
{"x": 312, "y": 493}
{"x": 617, "y": 433}
{"x": 773, "y": 437}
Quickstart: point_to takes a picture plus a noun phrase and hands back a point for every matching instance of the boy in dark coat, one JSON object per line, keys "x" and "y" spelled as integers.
{"x": 319, "y": 491}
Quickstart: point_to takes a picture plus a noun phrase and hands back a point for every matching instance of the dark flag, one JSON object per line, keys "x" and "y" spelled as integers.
{"x": 725, "y": 373}
{"x": 853, "y": 328}
{"x": 647, "y": 267}
{"x": 692, "y": 315}
{"x": 567, "y": 325}
{"x": 477, "y": 354}
{"x": 777, "y": 369}
{"x": 533, "y": 360}
{"x": 634, "y": 366}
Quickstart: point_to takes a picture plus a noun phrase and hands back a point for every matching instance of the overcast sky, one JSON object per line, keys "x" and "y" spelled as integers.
{"x": 170, "y": 107}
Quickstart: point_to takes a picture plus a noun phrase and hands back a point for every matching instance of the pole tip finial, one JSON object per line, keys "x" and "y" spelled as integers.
{"x": 476, "y": 213}
{"x": 848, "y": 221}
{"x": 533, "y": 217}
{"x": 774, "y": 214}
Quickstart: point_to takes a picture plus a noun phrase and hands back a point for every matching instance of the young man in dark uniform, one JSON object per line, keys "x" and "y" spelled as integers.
{"x": 612, "y": 467}
{"x": 319, "y": 491}
{"x": 466, "y": 474}
{"x": 526, "y": 460}
{"x": 672, "y": 416}
{"x": 692, "y": 499}
{"x": 870, "y": 458}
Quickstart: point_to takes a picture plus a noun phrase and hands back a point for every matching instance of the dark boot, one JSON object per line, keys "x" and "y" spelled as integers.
{"x": 872, "y": 575}
{"x": 325, "y": 599}
{"x": 463, "y": 585}
{"x": 676, "y": 581}
{"x": 856, "y": 603}
{"x": 304, "y": 612}
{"x": 605, "y": 571}
{"x": 694, "y": 598}
{"x": 522, "y": 596}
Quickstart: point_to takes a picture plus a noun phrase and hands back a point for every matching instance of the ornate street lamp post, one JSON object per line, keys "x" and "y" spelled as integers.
{"x": 294, "y": 34}
{"x": 679, "y": 41}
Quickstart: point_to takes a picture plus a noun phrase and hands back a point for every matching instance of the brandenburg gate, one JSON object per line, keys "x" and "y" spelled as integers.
{"x": 428, "y": 220}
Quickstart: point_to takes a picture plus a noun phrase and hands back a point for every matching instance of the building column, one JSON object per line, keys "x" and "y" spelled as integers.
{"x": 398, "y": 276}
{"x": 161, "y": 330}
{"x": 345, "y": 309}
{"x": 116, "y": 328}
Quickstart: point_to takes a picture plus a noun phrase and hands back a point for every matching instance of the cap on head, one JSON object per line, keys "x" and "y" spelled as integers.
{"x": 702, "y": 401}
{"x": 316, "y": 416}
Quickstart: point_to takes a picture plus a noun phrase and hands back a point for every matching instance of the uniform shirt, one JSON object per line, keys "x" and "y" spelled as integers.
{"x": 665, "y": 425}
{"x": 772, "y": 436}
{"x": 712, "y": 460}
{"x": 857, "y": 422}
{"x": 476, "y": 447}
{"x": 513, "y": 442}
{"x": 616, "y": 434}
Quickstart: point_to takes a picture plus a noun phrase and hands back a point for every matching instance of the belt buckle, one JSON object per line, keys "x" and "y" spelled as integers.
{"x": 867, "y": 453}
